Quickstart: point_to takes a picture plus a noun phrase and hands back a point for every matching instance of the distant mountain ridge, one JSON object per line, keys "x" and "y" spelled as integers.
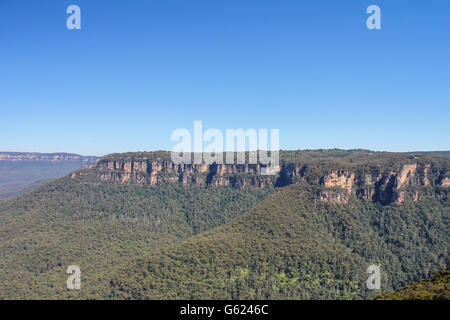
{"x": 53, "y": 157}
{"x": 21, "y": 172}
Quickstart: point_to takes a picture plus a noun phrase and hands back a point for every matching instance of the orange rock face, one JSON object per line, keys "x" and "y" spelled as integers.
{"x": 127, "y": 166}
{"x": 446, "y": 182}
{"x": 342, "y": 179}
{"x": 406, "y": 175}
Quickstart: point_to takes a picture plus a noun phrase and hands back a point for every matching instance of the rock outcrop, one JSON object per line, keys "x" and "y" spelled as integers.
{"x": 145, "y": 172}
{"x": 342, "y": 179}
{"x": 396, "y": 184}
{"x": 445, "y": 182}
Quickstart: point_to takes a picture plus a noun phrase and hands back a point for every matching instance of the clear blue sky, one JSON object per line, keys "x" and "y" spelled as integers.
{"x": 137, "y": 70}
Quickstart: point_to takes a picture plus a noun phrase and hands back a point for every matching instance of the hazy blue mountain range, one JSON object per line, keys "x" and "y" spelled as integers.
{"x": 21, "y": 172}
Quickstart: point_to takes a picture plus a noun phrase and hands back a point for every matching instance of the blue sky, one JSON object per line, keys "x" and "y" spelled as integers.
{"x": 137, "y": 70}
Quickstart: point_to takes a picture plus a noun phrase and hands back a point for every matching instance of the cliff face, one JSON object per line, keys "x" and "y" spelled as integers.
{"x": 152, "y": 173}
{"x": 375, "y": 183}
{"x": 342, "y": 179}
{"x": 446, "y": 182}
{"x": 394, "y": 186}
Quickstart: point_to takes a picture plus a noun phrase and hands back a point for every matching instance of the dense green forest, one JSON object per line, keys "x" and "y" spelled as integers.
{"x": 284, "y": 241}
{"x": 291, "y": 247}
{"x": 436, "y": 288}
{"x": 99, "y": 226}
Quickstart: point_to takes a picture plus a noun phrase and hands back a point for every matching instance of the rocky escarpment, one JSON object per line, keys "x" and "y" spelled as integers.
{"x": 397, "y": 186}
{"x": 394, "y": 183}
{"x": 146, "y": 172}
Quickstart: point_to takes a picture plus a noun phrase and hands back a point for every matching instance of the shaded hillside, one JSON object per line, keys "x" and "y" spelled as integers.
{"x": 21, "y": 172}
{"x": 293, "y": 246}
{"x": 436, "y": 288}
{"x": 100, "y": 226}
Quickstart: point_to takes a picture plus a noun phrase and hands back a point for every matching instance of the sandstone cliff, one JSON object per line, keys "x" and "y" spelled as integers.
{"x": 393, "y": 186}
{"x": 147, "y": 172}
{"x": 392, "y": 183}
